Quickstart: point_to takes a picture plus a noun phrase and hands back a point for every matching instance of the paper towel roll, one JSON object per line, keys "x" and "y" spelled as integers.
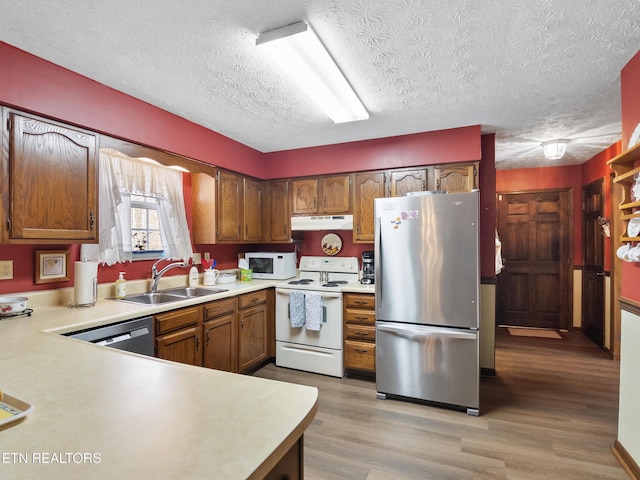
{"x": 85, "y": 283}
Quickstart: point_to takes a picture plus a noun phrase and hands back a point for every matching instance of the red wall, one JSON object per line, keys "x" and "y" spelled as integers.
{"x": 428, "y": 148}
{"x": 630, "y": 79}
{"x": 526, "y": 179}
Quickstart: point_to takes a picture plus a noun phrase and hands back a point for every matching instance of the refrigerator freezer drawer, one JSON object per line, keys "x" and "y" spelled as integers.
{"x": 428, "y": 363}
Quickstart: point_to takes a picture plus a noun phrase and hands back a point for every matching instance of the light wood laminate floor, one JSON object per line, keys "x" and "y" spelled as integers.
{"x": 549, "y": 413}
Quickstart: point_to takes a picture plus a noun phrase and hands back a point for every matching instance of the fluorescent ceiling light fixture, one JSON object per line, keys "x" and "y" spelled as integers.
{"x": 300, "y": 54}
{"x": 554, "y": 149}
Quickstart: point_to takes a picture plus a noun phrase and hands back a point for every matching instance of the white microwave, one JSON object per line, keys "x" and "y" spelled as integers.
{"x": 272, "y": 265}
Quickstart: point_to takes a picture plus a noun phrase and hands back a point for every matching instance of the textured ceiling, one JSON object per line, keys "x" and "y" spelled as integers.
{"x": 527, "y": 70}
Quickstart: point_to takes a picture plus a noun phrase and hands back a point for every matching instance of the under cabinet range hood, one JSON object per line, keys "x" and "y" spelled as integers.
{"x": 322, "y": 222}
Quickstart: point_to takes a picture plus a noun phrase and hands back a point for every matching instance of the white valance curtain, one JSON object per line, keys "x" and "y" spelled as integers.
{"x": 122, "y": 176}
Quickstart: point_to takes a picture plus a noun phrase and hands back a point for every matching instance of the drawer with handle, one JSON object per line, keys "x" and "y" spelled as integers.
{"x": 359, "y": 301}
{"x": 359, "y": 355}
{"x": 251, "y": 299}
{"x": 359, "y": 316}
{"x": 360, "y": 332}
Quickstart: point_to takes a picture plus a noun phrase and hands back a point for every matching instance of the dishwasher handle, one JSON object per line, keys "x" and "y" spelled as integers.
{"x": 115, "y": 339}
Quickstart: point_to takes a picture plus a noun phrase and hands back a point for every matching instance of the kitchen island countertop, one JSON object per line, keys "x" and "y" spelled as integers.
{"x": 102, "y": 413}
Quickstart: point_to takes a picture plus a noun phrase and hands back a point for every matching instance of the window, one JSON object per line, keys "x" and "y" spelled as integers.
{"x": 146, "y": 241}
{"x": 141, "y": 210}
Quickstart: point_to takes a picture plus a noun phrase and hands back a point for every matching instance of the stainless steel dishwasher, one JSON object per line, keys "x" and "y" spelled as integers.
{"x": 131, "y": 335}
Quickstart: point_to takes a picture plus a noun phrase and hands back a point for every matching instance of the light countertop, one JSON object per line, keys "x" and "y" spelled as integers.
{"x": 103, "y": 413}
{"x": 358, "y": 288}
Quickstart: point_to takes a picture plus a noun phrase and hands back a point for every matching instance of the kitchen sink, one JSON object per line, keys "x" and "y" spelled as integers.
{"x": 152, "y": 298}
{"x": 191, "y": 292}
{"x": 170, "y": 295}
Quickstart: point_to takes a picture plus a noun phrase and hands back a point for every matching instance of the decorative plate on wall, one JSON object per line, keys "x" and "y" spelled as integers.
{"x": 331, "y": 244}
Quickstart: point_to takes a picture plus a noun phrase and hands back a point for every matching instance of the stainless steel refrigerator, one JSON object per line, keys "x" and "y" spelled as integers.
{"x": 427, "y": 287}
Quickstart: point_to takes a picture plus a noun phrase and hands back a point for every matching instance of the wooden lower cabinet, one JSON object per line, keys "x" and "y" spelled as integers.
{"x": 235, "y": 334}
{"x": 179, "y": 335}
{"x": 220, "y": 335}
{"x": 252, "y": 330}
{"x": 359, "y": 333}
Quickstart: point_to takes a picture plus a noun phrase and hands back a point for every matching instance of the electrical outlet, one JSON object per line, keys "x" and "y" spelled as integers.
{"x": 207, "y": 256}
{"x": 197, "y": 258}
{"x": 6, "y": 269}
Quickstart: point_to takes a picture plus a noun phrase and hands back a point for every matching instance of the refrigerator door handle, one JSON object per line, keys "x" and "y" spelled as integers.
{"x": 413, "y": 332}
{"x": 377, "y": 264}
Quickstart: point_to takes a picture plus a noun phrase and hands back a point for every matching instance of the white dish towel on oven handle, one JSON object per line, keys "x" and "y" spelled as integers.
{"x": 313, "y": 310}
{"x": 296, "y": 309}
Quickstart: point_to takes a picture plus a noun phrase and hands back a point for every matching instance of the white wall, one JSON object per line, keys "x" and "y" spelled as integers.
{"x": 629, "y": 413}
{"x": 577, "y": 298}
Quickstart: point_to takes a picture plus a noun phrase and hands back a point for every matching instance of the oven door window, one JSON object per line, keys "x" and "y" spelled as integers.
{"x": 261, "y": 265}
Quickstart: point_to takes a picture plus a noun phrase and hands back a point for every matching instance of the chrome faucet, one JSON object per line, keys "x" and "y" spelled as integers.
{"x": 156, "y": 275}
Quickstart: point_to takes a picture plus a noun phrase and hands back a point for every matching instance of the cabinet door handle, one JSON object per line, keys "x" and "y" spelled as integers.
{"x": 361, "y": 350}
{"x": 197, "y": 343}
{"x": 361, "y": 318}
{"x": 207, "y": 344}
{"x": 360, "y": 302}
{"x": 92, "y": 220}
{"x": 242, "y": 323}
{"x": 254, "y": 299}
{"x": 362, "y": 334}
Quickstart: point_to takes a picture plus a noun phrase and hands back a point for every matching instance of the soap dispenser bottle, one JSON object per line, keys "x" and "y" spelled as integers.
{"x": 121, "y": 286}
{"x": 193, "y": 277}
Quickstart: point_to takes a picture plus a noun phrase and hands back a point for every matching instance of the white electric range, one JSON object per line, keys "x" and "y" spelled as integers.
{"x": 299, "y": 347}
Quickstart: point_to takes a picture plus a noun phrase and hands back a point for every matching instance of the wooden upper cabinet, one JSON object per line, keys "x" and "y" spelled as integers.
{"x": 367, "y": 186}
{"x": 305, "y": 196}
{"x": 230, "y": 207}
{"x": 252, "y": 210}
{"x": 336, "y": 194}
{"x": 226, "y": 209}
{"x": 50, "y": 182}
{"x": 328, "y": 195}
{"x": 456, "y": 177}
{"x": 405, "y": 181}
{"x": 203, "y": 199}
{"x": 277, "y": 211}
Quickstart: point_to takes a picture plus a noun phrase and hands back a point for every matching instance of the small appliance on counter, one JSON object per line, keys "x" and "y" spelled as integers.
{"x": 367, "y": 268}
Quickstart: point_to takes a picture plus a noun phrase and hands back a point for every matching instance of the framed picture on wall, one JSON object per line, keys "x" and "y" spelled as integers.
{"x": 52, "y": 266}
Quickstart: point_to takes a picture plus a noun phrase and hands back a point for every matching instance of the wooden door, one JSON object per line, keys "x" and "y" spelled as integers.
{"x": 252, "y": 337}
{"x": 456, "y": 177}
{"x": 52, "y": 181}
{"x": 279, "y": 215}
{"x": 336, "y": 194}
{"x": 534, "y": 288}
{"x": 367, "y": 186}
{"x": 230, "y": 208}
{"x": 405, "y": 181}
{"x": 220, "y": 343}
{"x": 305, "y": 196}
{"x": 593, "y": 268}
{"x": 252, "y": 212}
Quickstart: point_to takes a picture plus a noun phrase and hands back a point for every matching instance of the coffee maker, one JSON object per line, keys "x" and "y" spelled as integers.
{"x": 367, "y": 268}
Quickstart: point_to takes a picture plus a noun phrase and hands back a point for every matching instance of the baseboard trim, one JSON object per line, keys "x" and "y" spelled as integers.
{"x": 628, "y": 463}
